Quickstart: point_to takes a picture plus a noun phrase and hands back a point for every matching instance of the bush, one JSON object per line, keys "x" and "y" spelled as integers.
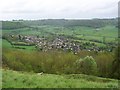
{"x": 87, "y": 65}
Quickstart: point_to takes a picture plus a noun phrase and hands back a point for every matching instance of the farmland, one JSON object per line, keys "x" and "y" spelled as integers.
{"x": 70, "y": 53}
{"x": 6, "y": 44}
{"x": 80, "y": 32}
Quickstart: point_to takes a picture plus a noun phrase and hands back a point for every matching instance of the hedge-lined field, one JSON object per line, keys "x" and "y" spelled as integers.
{"x": 6, "y": 44}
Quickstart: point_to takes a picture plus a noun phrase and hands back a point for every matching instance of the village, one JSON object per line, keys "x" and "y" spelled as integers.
{"x": 56, "y": 43}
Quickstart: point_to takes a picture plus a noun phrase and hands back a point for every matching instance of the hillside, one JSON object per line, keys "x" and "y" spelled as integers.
{"x": 12, "y": 25}
{"x": 94, "y": 23}
{"x": 14, "y": 79}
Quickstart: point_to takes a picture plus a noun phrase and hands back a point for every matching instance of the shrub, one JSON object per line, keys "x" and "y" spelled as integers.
{"x": 87, "y": 65}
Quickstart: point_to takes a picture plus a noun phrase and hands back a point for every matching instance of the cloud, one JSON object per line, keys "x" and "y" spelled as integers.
{"x": 37, "y": 9}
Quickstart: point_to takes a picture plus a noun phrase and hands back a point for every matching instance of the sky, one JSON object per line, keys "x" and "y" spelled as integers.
{"x": 57, "y": 9}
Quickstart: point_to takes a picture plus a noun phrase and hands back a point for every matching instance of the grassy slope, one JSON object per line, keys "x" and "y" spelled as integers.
{"x": 108, "y": 31}
{"x": 13, "y": 79}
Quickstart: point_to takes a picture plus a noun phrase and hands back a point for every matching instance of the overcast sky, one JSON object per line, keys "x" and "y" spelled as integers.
{"x": 57, "y": 9}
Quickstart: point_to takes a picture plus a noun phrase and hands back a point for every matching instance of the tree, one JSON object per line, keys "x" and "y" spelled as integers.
{"x": 116, "y": 64}
{"x": 87, "y": 65}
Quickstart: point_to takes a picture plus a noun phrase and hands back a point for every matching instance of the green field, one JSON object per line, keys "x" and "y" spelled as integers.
{"x": 14, "y": 79}
{"x": 6, "y": 44}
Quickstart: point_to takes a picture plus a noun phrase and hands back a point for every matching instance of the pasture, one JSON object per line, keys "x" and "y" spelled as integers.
{"x": 6, "y": 44}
